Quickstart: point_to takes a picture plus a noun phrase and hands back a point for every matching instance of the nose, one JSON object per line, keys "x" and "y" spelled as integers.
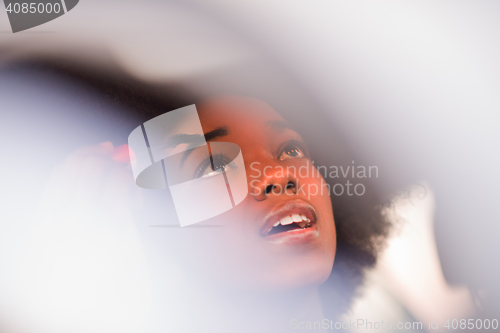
{"x": 279, "y": 181}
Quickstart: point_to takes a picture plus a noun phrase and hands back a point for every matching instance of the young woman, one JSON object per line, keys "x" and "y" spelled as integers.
{"x": 294, "y": 250}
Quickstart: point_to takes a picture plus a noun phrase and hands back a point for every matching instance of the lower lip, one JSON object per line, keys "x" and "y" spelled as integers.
{"x": 297, "y": 236}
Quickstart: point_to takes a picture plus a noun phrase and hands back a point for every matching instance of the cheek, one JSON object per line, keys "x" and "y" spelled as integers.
{"x": 248, "y": 262}
{"x": 313, "y": 188}
{"x": 317, "y": 192}
{"x": 223, "y": 252}
{"x": 234, "y": 255}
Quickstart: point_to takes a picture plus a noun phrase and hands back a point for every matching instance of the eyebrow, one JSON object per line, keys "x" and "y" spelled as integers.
{"x": 280, "y": 125}
{"x": 194, "y": 140}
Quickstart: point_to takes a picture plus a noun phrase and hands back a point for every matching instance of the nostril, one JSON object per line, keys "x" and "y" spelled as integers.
{"x": 269, "y": 189}
{"x": 290, "y": 185}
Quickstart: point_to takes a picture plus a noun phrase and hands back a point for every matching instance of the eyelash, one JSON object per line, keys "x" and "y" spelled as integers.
{"x": 220, "y": 162}
{"x": 290, "y": 146}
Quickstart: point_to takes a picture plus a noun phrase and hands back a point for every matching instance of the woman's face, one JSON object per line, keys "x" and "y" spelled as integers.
{"x": 282, "y": 235}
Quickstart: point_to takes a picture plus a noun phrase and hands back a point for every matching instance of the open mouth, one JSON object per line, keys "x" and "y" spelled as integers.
{"x": 289, "y": 218}
{"x": 289, "y": 223}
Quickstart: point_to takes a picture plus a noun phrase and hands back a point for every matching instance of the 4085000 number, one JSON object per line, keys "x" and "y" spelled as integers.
{"x": 471, "y": 324}
{"x": 33, "y": 8}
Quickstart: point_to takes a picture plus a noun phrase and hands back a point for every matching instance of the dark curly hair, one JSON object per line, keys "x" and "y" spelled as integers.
{"x": 360, "y": 223}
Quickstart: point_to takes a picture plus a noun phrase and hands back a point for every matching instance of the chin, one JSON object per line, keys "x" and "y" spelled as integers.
{"x": 298, "y": 275}
{"x": 312, "y": 277}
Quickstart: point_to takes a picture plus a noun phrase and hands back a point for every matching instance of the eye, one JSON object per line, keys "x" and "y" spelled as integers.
{"x": 291, "y": 150}
{"x": 221, "y": 164}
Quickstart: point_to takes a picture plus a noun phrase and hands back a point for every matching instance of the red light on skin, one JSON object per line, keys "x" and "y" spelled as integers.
{"x": 122, "y": 154}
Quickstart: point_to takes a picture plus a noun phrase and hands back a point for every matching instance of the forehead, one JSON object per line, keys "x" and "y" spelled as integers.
{"x": 236, "y": 112}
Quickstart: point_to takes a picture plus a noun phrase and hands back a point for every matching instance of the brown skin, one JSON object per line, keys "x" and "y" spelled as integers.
{"x": 94, "y": 189}
{"x": 237, "y": 255}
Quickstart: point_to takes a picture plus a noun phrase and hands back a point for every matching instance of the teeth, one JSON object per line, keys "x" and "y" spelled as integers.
{"x": 286, "y": 220}
{"x": 301, "y": 220}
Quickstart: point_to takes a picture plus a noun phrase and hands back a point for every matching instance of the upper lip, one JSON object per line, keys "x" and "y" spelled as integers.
{"x": 285, "y": 209}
